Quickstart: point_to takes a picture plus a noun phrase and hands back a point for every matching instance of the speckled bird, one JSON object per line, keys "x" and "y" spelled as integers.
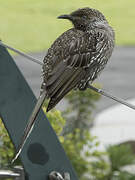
{"x": 75, "y": 59}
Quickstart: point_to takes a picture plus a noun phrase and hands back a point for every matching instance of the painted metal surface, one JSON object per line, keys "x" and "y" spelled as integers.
{"x": 43, "y": 152}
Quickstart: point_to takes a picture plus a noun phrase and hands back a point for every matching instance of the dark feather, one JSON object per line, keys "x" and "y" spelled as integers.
{"x": 65, "y": 88}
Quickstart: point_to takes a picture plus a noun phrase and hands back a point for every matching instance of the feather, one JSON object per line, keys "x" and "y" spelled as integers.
{"x": 30, "y": 124}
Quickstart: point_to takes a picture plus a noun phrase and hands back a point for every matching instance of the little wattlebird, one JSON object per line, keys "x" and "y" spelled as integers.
{"x": 74, "y": 59}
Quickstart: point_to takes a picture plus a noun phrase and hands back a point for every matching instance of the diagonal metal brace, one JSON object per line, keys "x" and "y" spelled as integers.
{"x": 43, "y": 152}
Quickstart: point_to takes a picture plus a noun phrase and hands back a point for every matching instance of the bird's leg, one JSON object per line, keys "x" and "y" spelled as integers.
{"x": 30, "y": 124}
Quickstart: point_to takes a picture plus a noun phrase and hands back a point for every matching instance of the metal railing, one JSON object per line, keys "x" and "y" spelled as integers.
{"x": 16, "y": 173}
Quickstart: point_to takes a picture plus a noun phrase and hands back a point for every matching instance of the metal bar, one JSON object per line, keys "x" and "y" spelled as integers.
{"x": 100, "y": 91}
{"x": 42, "y": 152}
{"x": 8, "y": 174}
{"x": 21, "y": 53}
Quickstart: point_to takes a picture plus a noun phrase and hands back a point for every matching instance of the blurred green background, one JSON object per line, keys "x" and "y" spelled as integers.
{"x": 31, "y": 25}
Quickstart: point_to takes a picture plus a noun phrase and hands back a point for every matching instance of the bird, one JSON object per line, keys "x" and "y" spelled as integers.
{"x": 74, "y": 60}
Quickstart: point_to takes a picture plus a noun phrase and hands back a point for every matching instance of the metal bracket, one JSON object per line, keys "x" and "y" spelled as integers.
{"x": 16, "y": 173}
{"x": 57, "y": 176}
{"x": 4, "y": 173}
{"x": 43, "y": 152}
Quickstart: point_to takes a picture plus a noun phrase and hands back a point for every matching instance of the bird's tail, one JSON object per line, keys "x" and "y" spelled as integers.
{"x": 30, "y": 124}
{"x": 66, "y": 86}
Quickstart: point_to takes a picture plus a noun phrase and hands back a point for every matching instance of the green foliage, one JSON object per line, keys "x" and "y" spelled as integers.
{"x": 57, "y": 122}
{"x": 123, "y": 176}
{"x": 80, "y": 145}
{"x": 79, "y": 110}
{"x": 83, "y": 154}
{"x": 120, "y": 156}
{"x": 93, "y": 162}
{"x": 73, "y": 147}
{"x": 6, "y": 148}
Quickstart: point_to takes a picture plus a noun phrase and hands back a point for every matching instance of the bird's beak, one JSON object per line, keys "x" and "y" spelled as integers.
{"x": 65, "y": 17}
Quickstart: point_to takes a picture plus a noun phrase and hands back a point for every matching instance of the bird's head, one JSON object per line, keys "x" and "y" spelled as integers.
{"x": 82, "y": 18}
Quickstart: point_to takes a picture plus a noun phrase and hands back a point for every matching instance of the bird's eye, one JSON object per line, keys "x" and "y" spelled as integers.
{"x": 84, "y": 17}
{"x": 81, "y": 26}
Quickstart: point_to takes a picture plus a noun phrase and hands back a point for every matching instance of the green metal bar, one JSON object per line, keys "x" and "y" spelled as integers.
{"x": 43, "y": 152}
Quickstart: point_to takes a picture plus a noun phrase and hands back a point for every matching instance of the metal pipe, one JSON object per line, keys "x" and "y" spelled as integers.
{"x": 8, "y": 174}
{"x": 21, "y": 53}
{"x": 100, "y": 91}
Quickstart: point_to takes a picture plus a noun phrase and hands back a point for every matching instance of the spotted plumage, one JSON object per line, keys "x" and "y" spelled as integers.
{"x": 74, "y": 59}
{"x": 78, "y": 55}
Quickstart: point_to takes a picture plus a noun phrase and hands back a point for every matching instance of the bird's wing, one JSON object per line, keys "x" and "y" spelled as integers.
{"x": 66, "y": 62}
